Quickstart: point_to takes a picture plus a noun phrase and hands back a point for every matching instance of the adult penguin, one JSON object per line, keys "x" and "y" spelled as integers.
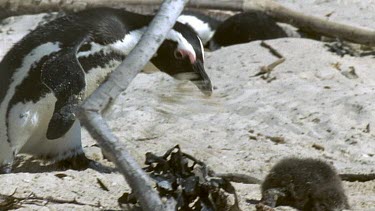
{"x": 246, "y": 27}
{"x": 46, "y": 75}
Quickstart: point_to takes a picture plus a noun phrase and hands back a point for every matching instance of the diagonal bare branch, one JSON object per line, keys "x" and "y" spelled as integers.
{"x": 272, "y": 8}
{"x": 118, "y": 81}
{"x": 21, "y": 7}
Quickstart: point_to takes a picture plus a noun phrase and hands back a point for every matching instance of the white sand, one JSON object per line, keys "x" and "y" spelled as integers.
{"x": 310, "y": 102}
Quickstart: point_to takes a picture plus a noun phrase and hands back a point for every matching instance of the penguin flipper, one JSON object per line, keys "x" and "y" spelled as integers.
{"x": 64, "y": 76}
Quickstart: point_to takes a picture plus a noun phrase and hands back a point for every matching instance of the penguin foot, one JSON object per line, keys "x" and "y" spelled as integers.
{"x": 80, "y": 162}
{"x": 6, "y": 169}
{"x": 77, "y": 162}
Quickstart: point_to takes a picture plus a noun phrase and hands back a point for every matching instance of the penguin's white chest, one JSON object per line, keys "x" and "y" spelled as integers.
{"x": 23, "y": 120}
{"x": 18, "y": 77}
{"x": 28, "y": 121}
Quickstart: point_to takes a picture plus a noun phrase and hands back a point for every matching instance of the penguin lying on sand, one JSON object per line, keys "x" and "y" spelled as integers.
{"x": 245, "y": 27}
{"x": 305, "y": 184}
{"x": 45, "y": 77}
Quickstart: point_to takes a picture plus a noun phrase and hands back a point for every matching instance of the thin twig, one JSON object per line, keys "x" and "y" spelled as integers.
{"x": 231, "y": 177}
{"x": 357, "y": 177}
{"x": 9, "y": 201}
{"x": 265, "y": 71}
{"x": 239, "y": 178}
{"x": 272, "y": 50}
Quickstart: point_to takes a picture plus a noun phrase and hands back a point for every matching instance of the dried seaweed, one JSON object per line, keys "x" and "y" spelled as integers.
{"x": 190, "y": 182}
{"x": 9, "y": 202}
{"x": 341, "y": 48}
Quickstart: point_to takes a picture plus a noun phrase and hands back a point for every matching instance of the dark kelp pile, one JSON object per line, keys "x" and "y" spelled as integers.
{"x": 189, "y": 182}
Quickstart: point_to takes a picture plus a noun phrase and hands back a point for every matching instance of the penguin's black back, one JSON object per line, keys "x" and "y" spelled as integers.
{"x": 212, "y": 22}
{"x": 102, "y": 25}
{"x": 246, "y": 27}
{"x": 54, "y": 63}
{"x": 45, "y": 61}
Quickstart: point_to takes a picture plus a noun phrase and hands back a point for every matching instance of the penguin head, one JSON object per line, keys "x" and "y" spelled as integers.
{"x": 204, "y": 25}
{"x": 182, "y": 56}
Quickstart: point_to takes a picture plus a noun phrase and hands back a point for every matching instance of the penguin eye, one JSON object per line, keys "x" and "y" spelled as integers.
{"x": 178, "y": 54}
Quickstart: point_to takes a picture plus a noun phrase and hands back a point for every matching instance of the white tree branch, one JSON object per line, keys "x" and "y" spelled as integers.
{"x": 311, "y": 23}
{"x": 275, "y": 10}
{"x": 19, "y": 7}
{"x": 118, "y": 81}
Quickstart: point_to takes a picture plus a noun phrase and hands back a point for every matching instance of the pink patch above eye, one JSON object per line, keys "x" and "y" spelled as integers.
{"x": 188, "y": 54}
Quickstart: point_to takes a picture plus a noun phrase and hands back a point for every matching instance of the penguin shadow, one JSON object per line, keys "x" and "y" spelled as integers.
{"x": 28, "y": 164}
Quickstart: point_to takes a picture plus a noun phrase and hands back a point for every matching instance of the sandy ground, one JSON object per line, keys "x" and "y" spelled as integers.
{"x": 312, "y": 100}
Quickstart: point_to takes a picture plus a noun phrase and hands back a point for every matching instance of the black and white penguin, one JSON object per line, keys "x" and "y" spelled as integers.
{"x": 45, "y": 76}
{"x": 204, "y": 25}
{"x": 246, "y": 27}
{"x": 305, "y": 184}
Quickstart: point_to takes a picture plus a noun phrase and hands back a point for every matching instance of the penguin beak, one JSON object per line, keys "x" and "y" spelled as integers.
{"x": 203, "y": 82}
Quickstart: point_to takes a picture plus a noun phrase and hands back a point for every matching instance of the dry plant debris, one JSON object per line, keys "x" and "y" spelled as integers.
{"x": 341, "y": 48}
{"x": 265, "y": 71}
{"x": 9, "y": 202}
{"x": 189, "y": 182}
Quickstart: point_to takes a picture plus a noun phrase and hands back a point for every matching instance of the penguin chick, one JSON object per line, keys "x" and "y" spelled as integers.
{"x": 305, "y": 184}
{"x": 45, "y": 76}
{"x": 245, "y": 27}
{"x": 204, "y": 25}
